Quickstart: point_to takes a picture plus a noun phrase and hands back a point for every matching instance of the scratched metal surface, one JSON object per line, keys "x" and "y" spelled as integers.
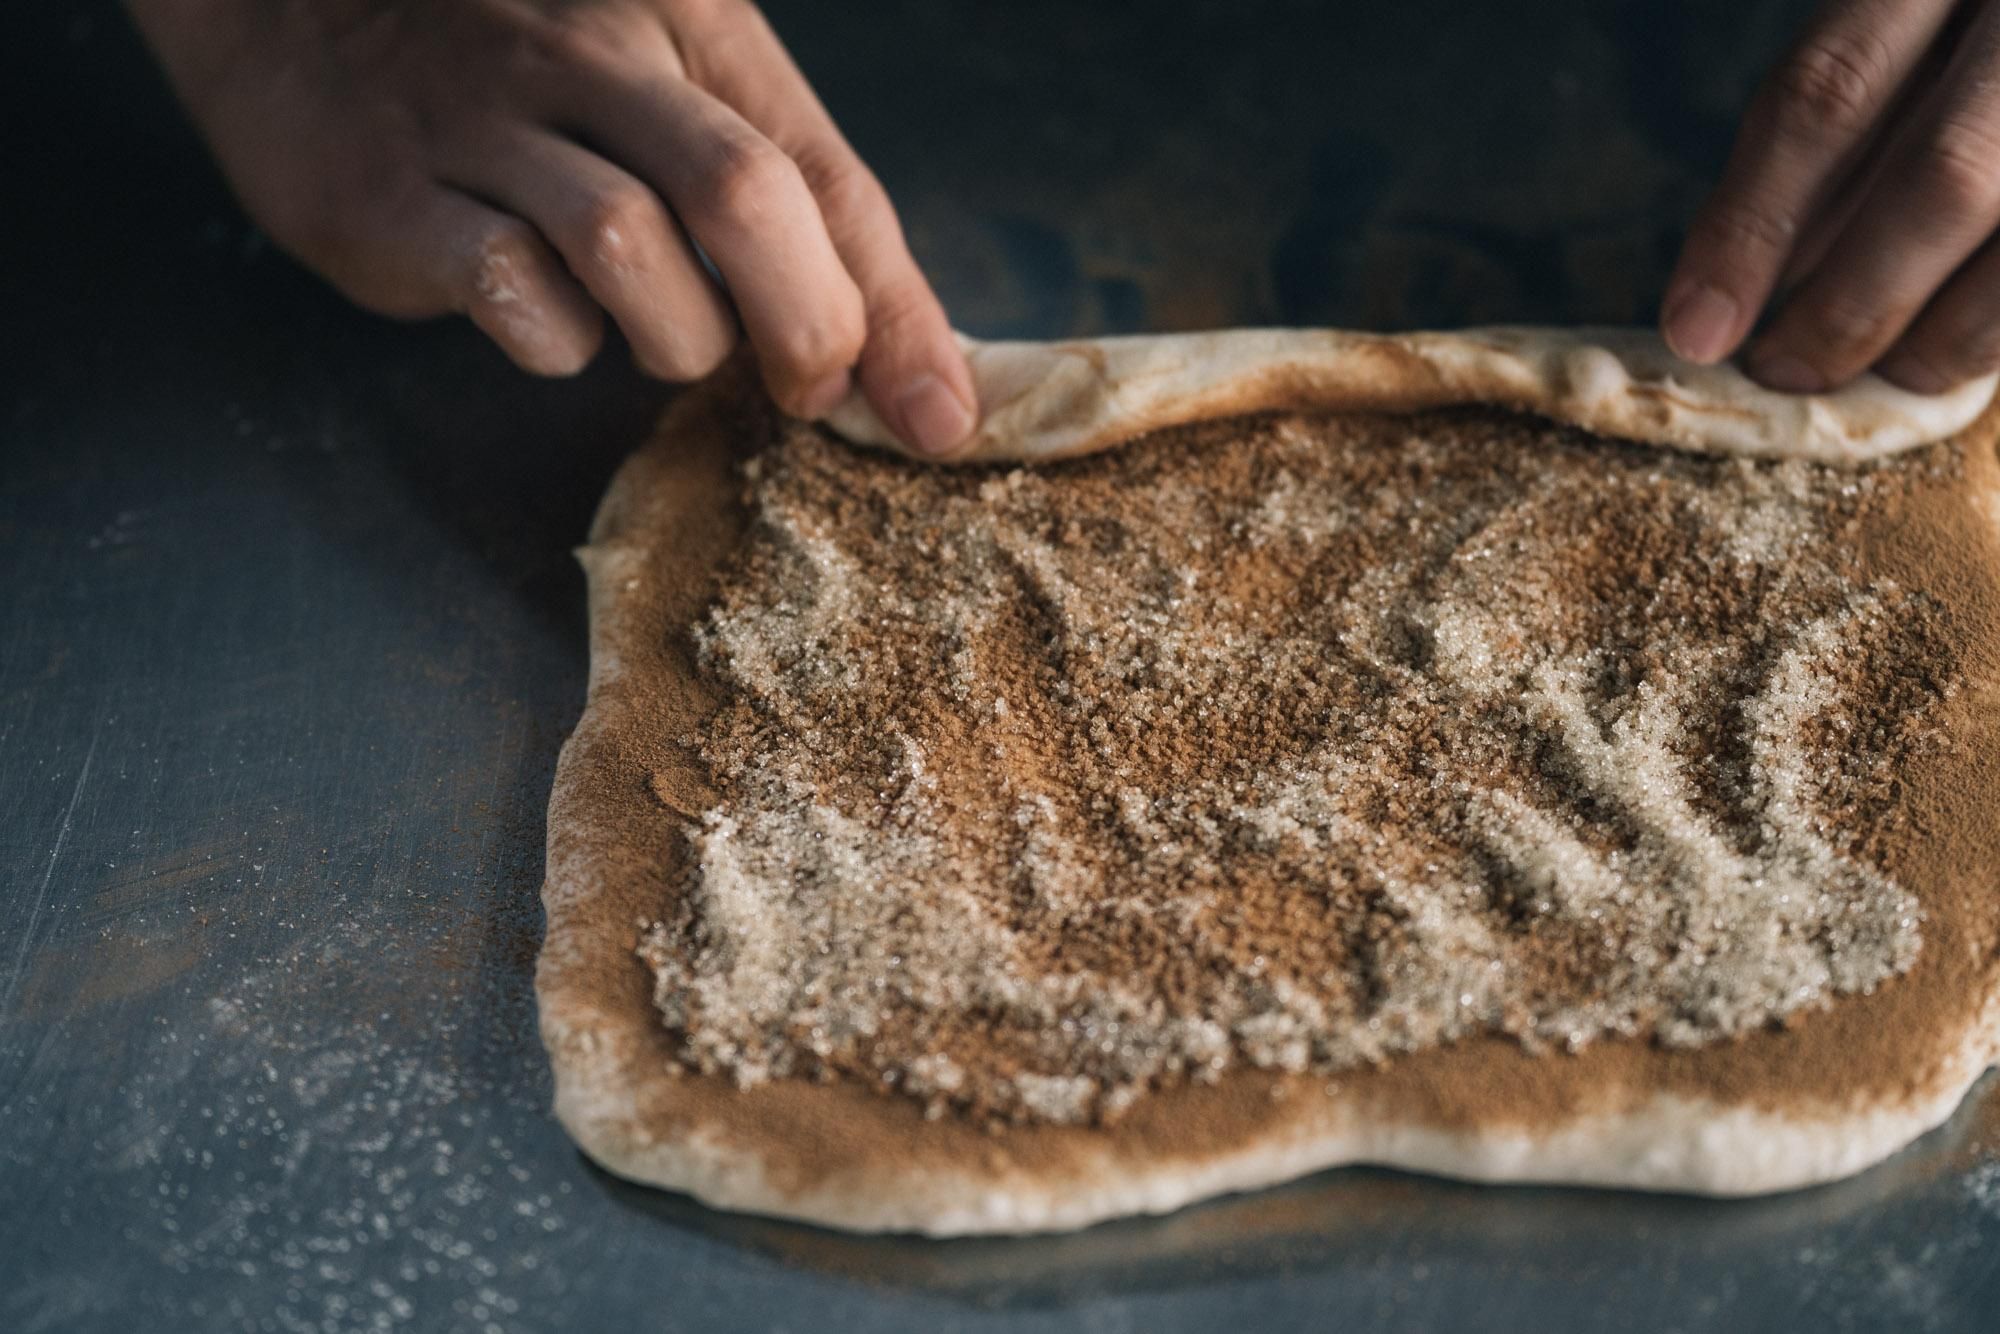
{"x": 289, "y": 638}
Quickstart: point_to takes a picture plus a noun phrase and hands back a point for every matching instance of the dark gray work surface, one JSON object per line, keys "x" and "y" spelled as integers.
{"x": 289, "y": 637}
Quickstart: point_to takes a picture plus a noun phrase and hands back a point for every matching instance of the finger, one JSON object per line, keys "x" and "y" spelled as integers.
{"x": 1937, "y": 198}
{"x": 1826, "y": 225}
{"x": 1957, "y": 337}
{"x": 1859, "y": 177}
{"x": 1807, "y": 121}
{"x": 912, "y": 368}
{"x": 745, "y": 203}
{"x": 442, "y": 251}
{"x": 619, "y": 240}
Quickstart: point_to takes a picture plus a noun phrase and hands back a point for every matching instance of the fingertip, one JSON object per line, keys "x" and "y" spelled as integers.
{"x": 1700, "y": 322}
{"x": 540, "y": 341}
{"x": 683, "y": 352}
{"x": 565, "y": 363}
{"x": 918, "y": 380}
{"x": 931, "y": 416}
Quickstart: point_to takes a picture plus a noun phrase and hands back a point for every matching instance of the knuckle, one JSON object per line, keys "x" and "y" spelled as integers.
{"x": 902, "y": 305}
{"x": 613, "y": 225}
{"x": 816, "y": 347}
{"x": 1843, "y": 333}
{"x": 746, "y": 177}
{"x": 1830, "y": 83}
{"x": 1742, "y": 227}
{"x": 842, "y": 184}
{"x": 1959, "y": 172}
{"x": 500, "y": 265}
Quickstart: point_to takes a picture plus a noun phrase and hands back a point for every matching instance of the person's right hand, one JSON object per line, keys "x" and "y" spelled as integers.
{"x": 536, "y": 164}
{"x": 1862, "y": 202}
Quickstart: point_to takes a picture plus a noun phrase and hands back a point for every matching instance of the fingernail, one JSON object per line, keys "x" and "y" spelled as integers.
{"x": 931, "y": 417}
{"x": 1699, "y": 324}
{"x": 1787, "y": 375}
{"x": 1919, "y": 377}
{"x": 825, "y": 396}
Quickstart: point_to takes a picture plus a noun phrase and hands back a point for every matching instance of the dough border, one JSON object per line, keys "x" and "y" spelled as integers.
{"x": 1045, "y": 401}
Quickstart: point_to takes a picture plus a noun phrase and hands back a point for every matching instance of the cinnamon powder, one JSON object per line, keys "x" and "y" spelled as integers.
{"x": 1292, "y": 743}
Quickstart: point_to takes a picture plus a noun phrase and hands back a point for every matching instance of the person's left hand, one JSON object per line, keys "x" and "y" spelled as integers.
{"x": 1864, "y": 191}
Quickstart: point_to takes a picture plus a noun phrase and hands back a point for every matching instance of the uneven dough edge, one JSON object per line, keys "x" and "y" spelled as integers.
{"x": 1670, "y": 1144}
{"x": 1044, "y": 401}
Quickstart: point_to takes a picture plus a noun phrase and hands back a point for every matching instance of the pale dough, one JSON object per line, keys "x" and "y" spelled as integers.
{"x": 1052, "y": 400}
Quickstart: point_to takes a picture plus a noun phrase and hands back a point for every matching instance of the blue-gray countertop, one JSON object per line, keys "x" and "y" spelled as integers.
{"x": 290, "y": 634}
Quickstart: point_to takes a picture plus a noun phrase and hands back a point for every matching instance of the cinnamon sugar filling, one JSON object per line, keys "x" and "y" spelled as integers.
{"x": 1294, "y": 742}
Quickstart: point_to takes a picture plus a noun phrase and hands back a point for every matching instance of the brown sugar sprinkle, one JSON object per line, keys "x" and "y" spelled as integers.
{"x": 1289, "y": 741}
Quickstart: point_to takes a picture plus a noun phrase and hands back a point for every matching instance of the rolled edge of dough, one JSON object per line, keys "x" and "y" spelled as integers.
{"x": 1042, "y": 401}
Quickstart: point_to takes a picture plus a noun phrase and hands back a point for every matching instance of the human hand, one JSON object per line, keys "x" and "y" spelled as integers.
{"x": 537, "y": 164}
{"x": 1864, "y": 189}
